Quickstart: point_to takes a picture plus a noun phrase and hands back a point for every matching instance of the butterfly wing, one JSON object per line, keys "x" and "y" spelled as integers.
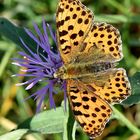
{"x": 103, "y": 43}
{"x": 74, "y": 21}
{"x": 89, "y": 109}
{"x": 112, "y": 85}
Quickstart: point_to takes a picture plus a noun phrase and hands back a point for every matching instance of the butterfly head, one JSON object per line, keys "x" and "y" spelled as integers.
{"x": 61, "y": 73}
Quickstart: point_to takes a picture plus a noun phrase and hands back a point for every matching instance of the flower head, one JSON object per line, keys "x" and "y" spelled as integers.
{"x": 41, "y": 66}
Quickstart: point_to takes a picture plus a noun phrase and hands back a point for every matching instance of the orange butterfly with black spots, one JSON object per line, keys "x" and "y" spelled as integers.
{"x": 89, "y": 52}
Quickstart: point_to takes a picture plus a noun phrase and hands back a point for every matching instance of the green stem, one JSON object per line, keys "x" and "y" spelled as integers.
{"x": 69, "y": 128}
{"x": 74, "y": 130}
{"x": 122, "y": 118}
{"x": 70, "y": 124}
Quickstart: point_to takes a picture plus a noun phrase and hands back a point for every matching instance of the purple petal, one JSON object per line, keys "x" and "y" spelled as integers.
{"x": 40, "y": 67}
{"x": 32, "y": 84}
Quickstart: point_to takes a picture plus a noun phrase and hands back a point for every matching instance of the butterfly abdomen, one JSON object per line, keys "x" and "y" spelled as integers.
{"x": 77, "y": 70}
{"x": 99, "y": 67}
{"x": 80, "y": 70}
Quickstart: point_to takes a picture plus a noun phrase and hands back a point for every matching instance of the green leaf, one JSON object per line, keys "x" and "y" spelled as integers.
{"x": 47, "y": 122}
{"x": 14, "y": 135}
{"x": 14, "y": 33}
{"x": 134, "y": 98}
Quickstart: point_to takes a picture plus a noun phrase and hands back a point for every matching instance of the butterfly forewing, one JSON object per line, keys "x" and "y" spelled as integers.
{"x": 74, "y": 21}
{"x": 89, "y": 109}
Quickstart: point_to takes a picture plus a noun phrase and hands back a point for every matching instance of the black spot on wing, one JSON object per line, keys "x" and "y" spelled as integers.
{"x": 78, "y": 104}
{"x": 77, "y": 112}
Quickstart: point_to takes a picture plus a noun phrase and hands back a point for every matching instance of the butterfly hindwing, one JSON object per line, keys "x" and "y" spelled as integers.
{"x": 103, "y": 40}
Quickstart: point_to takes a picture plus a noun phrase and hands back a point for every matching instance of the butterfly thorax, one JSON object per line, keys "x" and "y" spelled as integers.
{"x": 77, "y": 70}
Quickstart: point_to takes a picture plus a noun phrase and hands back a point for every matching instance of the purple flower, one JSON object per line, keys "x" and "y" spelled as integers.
{"x": 41, "y": 67}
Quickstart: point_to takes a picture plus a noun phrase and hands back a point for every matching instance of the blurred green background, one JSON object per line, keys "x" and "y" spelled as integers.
{"x": 123, "y": 14}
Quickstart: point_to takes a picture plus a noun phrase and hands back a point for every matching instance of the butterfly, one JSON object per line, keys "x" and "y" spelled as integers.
{"x": 89, "y": 52}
